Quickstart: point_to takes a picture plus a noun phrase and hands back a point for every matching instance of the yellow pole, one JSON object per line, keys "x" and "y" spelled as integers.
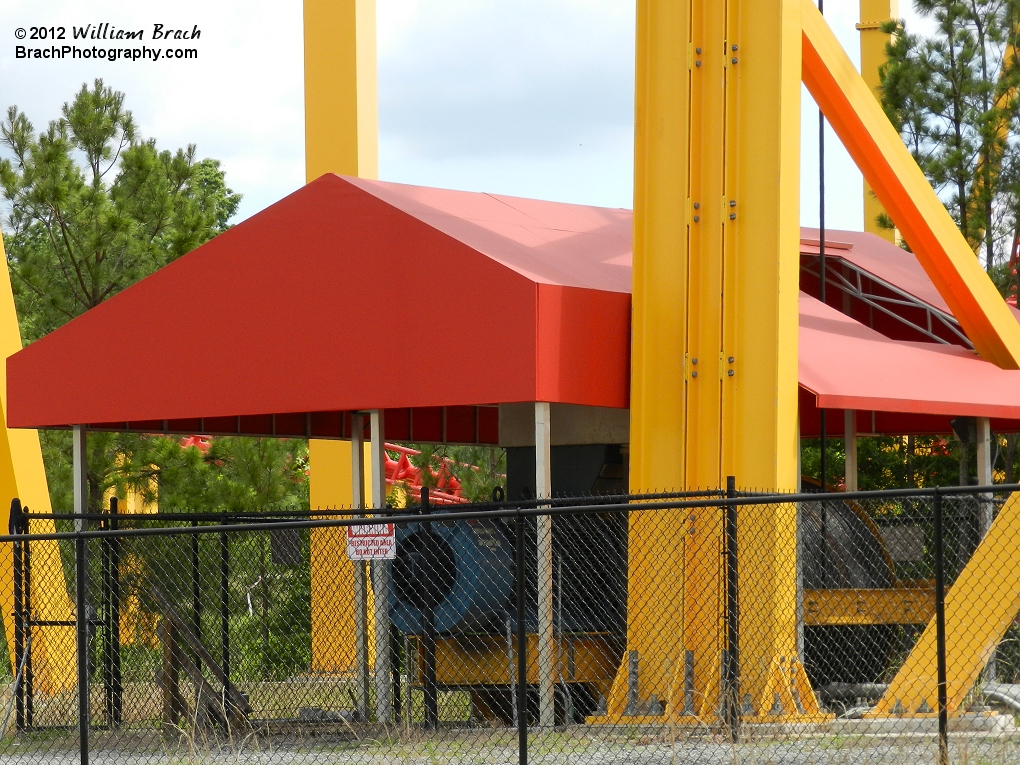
{"x": 760, "y": 296}
{"x": 341, "y": 136}
{"x": 714, "y": 353}
{"x": 874, "y": 13}
{"x": 22, "y": 475}
{"x": 661, "y": 169}
{"x": 341, "y": 102}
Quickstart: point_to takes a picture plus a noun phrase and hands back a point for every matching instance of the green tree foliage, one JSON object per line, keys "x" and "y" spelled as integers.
{"x": 94, "y": 207}
{"x": 953, "y": 97}
{"x": 479, "y": 469}
{"x": 887, "y": 462}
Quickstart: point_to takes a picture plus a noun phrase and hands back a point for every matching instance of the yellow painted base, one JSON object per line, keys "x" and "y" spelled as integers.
{"x": 477, "y": 660}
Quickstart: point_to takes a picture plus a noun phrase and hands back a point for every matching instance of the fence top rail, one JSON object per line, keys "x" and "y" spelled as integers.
{"x": 493, "y": 511}
{"x": 257, "y": 516}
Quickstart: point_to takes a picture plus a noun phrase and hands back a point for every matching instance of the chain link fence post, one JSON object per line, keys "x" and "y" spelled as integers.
{"x": 21, "y": 630}
{"x": 522, "y": 639}
{"x": 732, "y": 668}
{"x": 940, "y": 630}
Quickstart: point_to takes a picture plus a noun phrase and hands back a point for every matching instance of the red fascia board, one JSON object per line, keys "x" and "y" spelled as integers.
{"x": 874, "y": 423}
{"x": 583, "y": 349}
{"x": 451, "y": 425}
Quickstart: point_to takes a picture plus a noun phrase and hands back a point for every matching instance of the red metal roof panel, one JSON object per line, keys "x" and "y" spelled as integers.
{"x": 849, "y": 366}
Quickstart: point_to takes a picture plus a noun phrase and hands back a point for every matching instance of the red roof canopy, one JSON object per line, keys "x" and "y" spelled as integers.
{"x": 348, "y": 295}
{"x": 897, "y": 386}
{"x": 434, "y": 305}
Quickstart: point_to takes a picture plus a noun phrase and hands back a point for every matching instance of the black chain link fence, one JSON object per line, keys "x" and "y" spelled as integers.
{"x": 702, "y": 628}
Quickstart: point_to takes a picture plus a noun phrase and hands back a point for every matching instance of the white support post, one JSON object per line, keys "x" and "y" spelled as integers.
{"x": 984, "y": 453}
{"x": 546, "y": 637}
{"x": 80, "y": 491}
{"x": 380, "y": 575}
{"x": 850, "y": 434}
{"x": 360, "y": 579}
{"x": 984, "y": 473}
{"x": 80, "y": 476}
{"x": 986, "y": 510}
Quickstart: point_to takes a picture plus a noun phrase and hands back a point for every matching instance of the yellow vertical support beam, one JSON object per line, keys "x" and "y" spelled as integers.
{"x": 333, "y": 629}
{"x": 332, "y": 574}
{"x": 341, "y": 101}
{"x": 760, "y": 320}
{"x": 874, "y": 13}
{"x": 661, "y": 167}
{"x": 761, "y": 267}
{"x": 22, "y": 475}
{"x": 707, "y": 149}
{"x": 341, "y": 136}
{"x": 714, "y": 352}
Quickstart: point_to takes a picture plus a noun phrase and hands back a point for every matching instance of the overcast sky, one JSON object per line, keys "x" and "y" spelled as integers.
{"x": 525, "y": 97}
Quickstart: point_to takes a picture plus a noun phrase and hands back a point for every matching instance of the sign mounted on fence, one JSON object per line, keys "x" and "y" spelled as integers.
{"x": 375, "y": 541}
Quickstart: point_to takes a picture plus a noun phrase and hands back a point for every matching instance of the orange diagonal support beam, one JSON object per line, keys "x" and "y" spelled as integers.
{"x": 901, "y": 187}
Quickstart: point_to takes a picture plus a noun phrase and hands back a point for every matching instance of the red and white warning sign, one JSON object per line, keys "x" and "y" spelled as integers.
{"x": 374, "y": 541}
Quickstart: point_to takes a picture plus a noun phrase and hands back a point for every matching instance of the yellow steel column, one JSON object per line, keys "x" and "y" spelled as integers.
{"x": 760, "y": 288}
{"x": 703, "y": 436}
{"x": 341, "y": 136}
{"x": 874, "y": 13}
{"x": 22, "y": 475}
{"x": 659, "y": 341}
{"x": 341, "y": 101}
{"x": 714, "y": 353}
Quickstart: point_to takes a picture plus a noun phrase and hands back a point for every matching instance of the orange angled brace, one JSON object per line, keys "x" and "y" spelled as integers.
{"x": 901, "y": 187}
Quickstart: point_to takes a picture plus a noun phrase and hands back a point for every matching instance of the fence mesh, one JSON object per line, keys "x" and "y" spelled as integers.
{"x": 696, "y": 629}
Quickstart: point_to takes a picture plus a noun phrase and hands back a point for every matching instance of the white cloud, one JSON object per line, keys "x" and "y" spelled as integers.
{"x": 528, "y": 97}
{"x": 240, "y": 101}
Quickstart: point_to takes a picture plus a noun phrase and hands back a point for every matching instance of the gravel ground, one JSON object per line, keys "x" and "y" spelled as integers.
{"x": 581, "y": 745}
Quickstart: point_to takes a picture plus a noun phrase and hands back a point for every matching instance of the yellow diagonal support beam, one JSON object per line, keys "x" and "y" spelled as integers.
{"x": 22, "y": 475}
{"x": 873, "y": 143}
{"x": 980, "y": 606}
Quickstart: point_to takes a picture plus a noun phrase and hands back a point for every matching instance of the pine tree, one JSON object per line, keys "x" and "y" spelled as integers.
{"x": 953, "y": 96}
{"x": 94, "y": 207}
